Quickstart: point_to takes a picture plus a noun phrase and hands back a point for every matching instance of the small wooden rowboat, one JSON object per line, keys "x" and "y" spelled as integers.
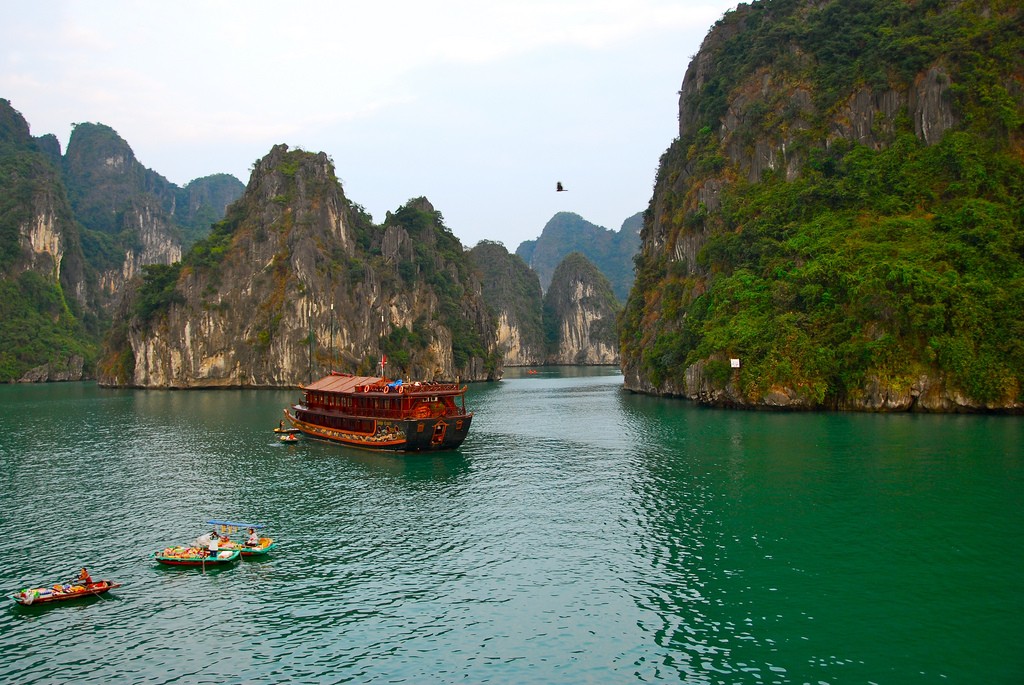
{"x": 195, "y": 556}
{"x": 62, "y": 593}
{"x": 289, "y": 438}
{"x": 228, "y": 528}
{"x": 265, "y": 547}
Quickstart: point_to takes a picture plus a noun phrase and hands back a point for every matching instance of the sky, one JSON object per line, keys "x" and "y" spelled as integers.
{"x": 480, "y": 107}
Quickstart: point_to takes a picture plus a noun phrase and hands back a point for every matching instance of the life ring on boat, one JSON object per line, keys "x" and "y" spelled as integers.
{"x": 366, "y": 388}
{"x": 386, "y": 390}
{"x": 401, "y": 389}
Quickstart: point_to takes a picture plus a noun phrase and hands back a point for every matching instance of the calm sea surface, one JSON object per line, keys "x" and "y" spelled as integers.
{"x": 580, "y": 535}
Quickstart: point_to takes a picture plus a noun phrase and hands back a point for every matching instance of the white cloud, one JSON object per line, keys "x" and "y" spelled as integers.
{"x": 409, "y": 97}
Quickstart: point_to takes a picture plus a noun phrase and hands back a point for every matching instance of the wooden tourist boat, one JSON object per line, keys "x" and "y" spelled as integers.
{"x": 195, "y": 556}
{"x": 62, "y": 592}
{"x": 228, "y": 528}
{"x": 373, "y": 412}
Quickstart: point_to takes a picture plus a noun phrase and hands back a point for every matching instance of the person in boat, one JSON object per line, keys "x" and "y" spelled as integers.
{"x": 204, "y": 539}
{"x": 214, "y": 546}
{"x": 254, "y": 539}
{"x": 84, "y": 576}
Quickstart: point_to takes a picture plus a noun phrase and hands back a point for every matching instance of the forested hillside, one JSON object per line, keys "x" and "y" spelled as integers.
{"x": 74, "y": 228}
{"x": 46, "y": 329}
{"x": 610, "y": 251}
{"x": 843, "y": 212}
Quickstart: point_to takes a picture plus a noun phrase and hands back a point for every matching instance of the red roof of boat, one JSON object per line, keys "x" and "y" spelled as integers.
{"x": 347, "y": 383}
{"x": 343, "y": 383}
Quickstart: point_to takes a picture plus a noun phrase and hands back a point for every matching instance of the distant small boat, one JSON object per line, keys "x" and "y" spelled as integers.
{"x": 290, "y": 438}
{"x": 62, "y": 592}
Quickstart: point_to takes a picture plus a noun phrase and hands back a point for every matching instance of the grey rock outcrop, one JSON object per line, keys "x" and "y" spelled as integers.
{"x": 580, "y": 315}
{"x": 512, "y": 291}
{"x": 286, "y": 290}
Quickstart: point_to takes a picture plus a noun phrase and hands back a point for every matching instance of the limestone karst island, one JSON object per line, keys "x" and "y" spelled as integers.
{"x": 838, "y": 225}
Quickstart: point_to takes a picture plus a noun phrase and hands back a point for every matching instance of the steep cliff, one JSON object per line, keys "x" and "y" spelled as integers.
{"x": 131, "y": 215}
{"x": 203, "y": 202}
{"x": 296, "y": 281}
{"x": 580, "y": 312}
{"x": 512, "y": 292}
{"x": 44, "y": 290}
{"x": 842, "y": 213}
{"x": 610, "y": 251}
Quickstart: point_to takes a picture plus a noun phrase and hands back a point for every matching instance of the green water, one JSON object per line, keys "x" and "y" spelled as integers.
{"x": 580, "y": 535}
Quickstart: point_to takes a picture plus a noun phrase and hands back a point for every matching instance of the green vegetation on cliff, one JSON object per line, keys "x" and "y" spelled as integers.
{"x": 882, "y": 263}
{"x": 115, "y": 197}
{"x": 38, "y": 328}
{"x": 440, "y": 264}
{"x": 873, "y": 265}
{"x": 580, "y": 302}
{"x": 39, "y": 325}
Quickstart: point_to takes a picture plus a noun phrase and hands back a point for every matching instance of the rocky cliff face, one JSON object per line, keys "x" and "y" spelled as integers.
{"x": 74, "y": 230}
{"x": 39, "y": 228}
{"x": 794, "y": 93}
{"x": 133, "y": 215}
{"x": 297, "y": 281}
{"x": 44, "y": 289}
{"x": 580, "y": 312}
{"x": 512, "y": 291}
{"x": 771, "y": 118}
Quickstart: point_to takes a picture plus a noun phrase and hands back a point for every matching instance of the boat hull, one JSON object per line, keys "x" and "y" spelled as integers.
{"x": 44, "y": 595}
{"x": 256, "y": 552}
{"x": 399, "y": 435}
{"x": 221, "y": 559}
{"x": 266, "y": 546}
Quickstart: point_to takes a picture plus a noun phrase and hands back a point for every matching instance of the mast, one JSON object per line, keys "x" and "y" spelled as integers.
{"x": 309, "y": 319}
{"x": 383, "y": 358}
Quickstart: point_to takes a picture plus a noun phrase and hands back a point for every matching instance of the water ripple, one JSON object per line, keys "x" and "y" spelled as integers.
{"x": 582, "y": 534}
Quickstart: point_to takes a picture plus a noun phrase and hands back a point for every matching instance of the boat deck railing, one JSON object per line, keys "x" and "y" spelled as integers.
{"x": 379, "y": 412}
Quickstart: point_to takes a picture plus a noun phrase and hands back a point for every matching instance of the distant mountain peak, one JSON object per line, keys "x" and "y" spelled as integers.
{"x": 567, "y": 232}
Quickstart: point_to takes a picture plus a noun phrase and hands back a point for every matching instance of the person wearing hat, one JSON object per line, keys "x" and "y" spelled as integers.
{"x": 214, "y": 545}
